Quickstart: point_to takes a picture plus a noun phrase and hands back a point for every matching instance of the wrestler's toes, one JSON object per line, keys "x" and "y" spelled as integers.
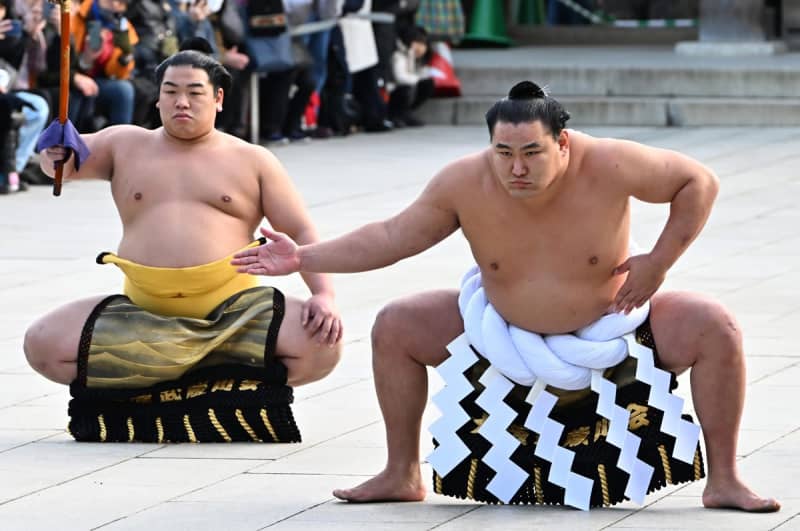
{"x": 766, "y": 505}
{"x": 381, "y": 489}
{"x": 748, "y": 502}
{"x": 762, "y": 505}
{"x": 345, "y": 494}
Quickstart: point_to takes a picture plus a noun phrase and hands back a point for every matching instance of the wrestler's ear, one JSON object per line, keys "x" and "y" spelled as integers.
{"x": 563, "y": 142}
{"x": 218, "y": 99}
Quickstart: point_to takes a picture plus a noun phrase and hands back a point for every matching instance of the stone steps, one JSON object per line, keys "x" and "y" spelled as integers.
{"x": 637, "y": 81}
{"x": 637, "y": 86}
{"x": 633, "y": 111}
{"x": 598, "y": 35}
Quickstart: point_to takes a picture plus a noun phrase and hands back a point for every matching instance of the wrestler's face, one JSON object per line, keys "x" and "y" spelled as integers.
{"x": 187, "y": 102}
{"x": 526, "y": 158}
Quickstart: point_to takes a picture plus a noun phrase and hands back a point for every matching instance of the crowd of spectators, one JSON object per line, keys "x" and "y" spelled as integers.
{"x": 348, "y": 71}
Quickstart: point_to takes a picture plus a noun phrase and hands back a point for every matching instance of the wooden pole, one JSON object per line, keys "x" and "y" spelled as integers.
{"x": 63, "y": 94}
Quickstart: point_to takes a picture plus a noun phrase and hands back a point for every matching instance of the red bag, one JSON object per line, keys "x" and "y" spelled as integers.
{"x": 445, "y": 82}
{"x": 312, "y": 110}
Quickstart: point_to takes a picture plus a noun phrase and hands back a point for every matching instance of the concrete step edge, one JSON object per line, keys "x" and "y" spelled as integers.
{"x": 489, "y": 99}
{"x": 637, "y": 82}
{"x": 634, "y": 111}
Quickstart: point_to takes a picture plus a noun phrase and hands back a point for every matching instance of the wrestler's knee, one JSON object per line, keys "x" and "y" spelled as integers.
{"x": 711, "y": 326}
{"x": 314, "y": 364}
{"x": 723, "y": 328}
{"x": 389, "y": 326}
{"x": 327, "y": 360}
{"x": 35, "y": 346}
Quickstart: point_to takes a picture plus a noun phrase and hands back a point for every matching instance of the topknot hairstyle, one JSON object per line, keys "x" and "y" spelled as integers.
{"x": 528, "y": 102}
{"x": 526, "y": 90}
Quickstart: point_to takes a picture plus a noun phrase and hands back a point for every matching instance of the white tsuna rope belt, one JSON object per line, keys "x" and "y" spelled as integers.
{"x": 566, "y": 361}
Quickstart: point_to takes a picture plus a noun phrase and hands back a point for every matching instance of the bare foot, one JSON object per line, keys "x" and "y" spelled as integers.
{"x": 737, "y": 496}
{"x": 385, "y": 487}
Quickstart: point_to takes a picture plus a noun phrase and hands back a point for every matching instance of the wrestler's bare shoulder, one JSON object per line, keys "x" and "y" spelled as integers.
{"x": 137, "y": 139}
{"x": 115, "y": 134}
{"x": 604, "y": 152}
{"x": 624, "y": 166}
{"x": 596, "y": 160}
{"x": 242, "y": 150}
{"x": 468, "y": 170}
{"x": 125, "y": 131}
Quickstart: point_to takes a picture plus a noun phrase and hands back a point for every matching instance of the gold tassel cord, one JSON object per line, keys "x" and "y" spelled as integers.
{"x": 189, "y": 431}
{"x": 131, "y": 432}
{"x": 160, "y": 430}
{"x": 662, "y": 451}
{"x": 103, "y": 433}
{"x": 473, "y": 469}
{"x": 245, "y": 426}
{"x": 218, "y": 426}
{"x": 698, "y": 468}
{"x": 601, "y": 471}
{"x": 268, "y": 424}
{"x": 537, "y": 484}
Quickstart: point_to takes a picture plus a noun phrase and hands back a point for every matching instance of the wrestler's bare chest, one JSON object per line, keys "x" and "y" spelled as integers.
{"x": 549, "y": 271}
{"x": 168, "y": 180}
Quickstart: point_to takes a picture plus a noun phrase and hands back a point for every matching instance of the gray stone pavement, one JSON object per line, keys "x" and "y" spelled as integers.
{"x": 747, "y": 257}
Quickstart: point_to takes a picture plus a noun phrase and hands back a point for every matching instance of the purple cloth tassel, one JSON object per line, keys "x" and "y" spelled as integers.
{"x": 65, "y": 135}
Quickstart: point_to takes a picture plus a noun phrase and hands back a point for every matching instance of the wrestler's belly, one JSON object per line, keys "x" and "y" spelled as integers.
{"x": 553, "y": 307}
{"x": 183, "y": 241}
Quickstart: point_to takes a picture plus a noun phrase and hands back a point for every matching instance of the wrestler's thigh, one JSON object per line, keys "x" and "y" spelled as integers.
{"x": 305, "y": 358}
{"x": 422, "y": 325}
{"x": 55, "y": 336}
{"x": 683, "y": 323}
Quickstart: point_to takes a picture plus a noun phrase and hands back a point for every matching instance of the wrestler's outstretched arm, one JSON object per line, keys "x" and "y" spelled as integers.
{"x": 424, "y": 223}
{"x": 656, "y": 176}
{"x": 100, "y": 163}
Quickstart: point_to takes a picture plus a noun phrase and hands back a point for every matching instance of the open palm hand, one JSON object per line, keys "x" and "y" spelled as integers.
{"x": 279, "y": 256}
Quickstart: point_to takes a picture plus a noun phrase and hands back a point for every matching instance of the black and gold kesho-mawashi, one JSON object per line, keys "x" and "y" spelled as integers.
{"x": 584, "y": 433}
{"x": 148, "y": 378}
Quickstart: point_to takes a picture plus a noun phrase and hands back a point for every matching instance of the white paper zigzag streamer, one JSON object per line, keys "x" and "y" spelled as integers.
{"x": 595, "y": 348}
{"x": 577, "y": 488}
{"x": 509, "y": 477}
{"x": 686, "y": 433}
{"x": 452, "y": 450}
{"x": 640, "y": 472}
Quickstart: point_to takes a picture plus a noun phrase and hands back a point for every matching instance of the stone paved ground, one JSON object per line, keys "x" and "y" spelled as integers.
{"x": 748, "y": 256}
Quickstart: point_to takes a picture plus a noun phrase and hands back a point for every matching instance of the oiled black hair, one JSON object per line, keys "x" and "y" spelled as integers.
{"x": 196, "y": 43}
{"x": 218, "y": 75}
{"x": 527, "y": 102}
